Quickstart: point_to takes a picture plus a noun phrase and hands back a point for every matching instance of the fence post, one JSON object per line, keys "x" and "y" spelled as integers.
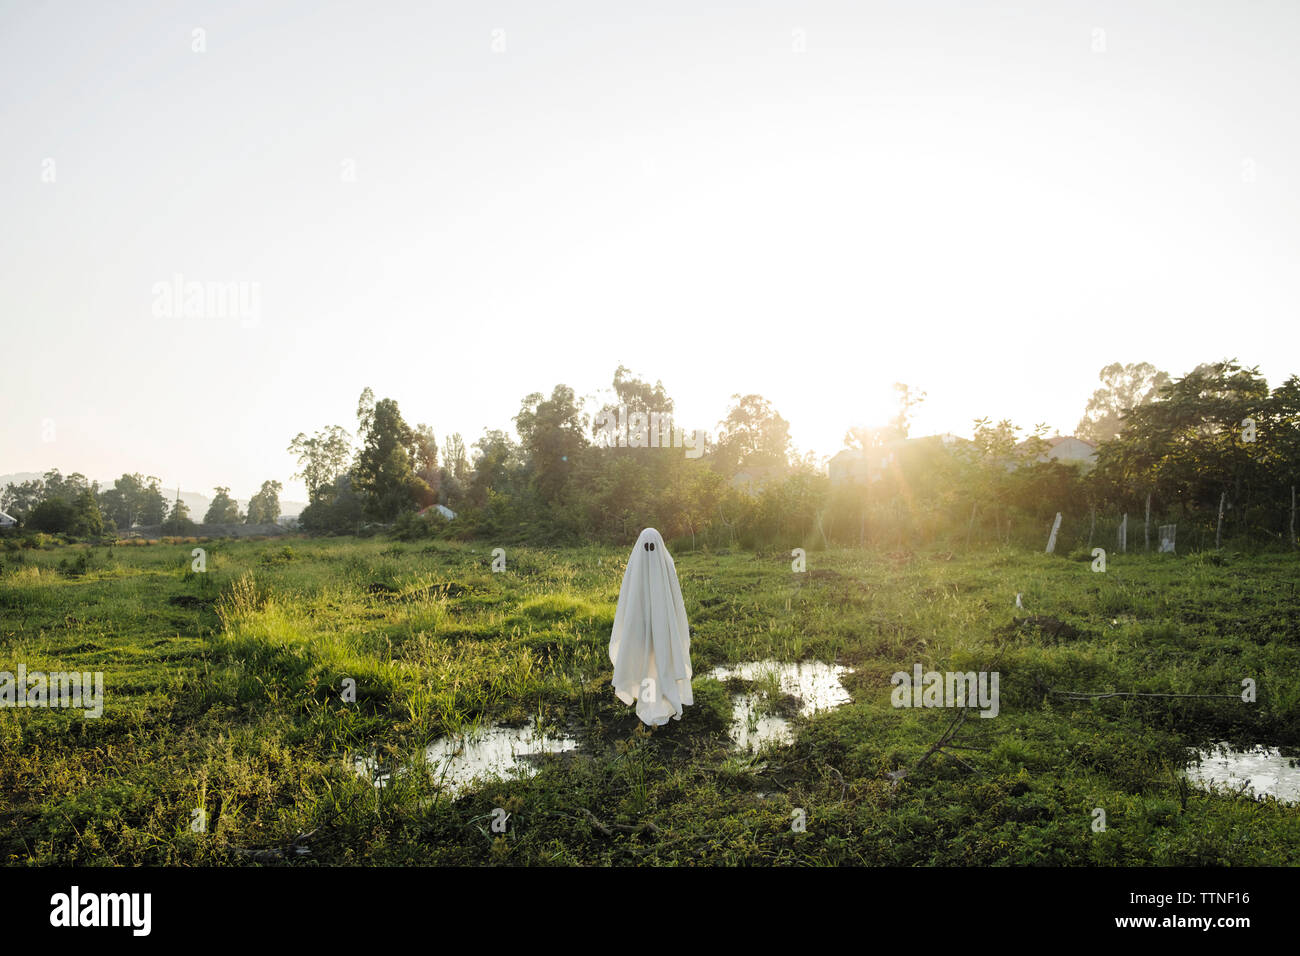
{"x": 1218, "y": 531}
{"x": 1146, "y": 528}
{"x": 1168, "y": 536}
{"x": 1293, "y": 541}
{"x": 1051, "y": 540}
{"x": 1123, "y": 534}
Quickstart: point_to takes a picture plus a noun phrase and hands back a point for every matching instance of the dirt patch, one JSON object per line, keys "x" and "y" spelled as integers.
{"x": 442, "y": 589}
{"x": 1043, "y": 623}
{"x": 825, "y": 574}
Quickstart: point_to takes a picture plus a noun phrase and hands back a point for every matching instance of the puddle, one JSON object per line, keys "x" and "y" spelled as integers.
{"x": 1259, "y": 770}
{"x": 493, "y": 751}
{"x": 751, "y": 730}
{"x": 817, "y": 685}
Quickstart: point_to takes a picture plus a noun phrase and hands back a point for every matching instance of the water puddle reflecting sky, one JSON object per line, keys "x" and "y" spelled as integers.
{"x": 816, "y": 684}
{"x": 1260, "y": 770}
{"x": 456, "y": 761}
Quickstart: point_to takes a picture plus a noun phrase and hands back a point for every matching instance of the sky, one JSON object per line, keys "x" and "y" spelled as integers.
{"x": 459, "y": 205}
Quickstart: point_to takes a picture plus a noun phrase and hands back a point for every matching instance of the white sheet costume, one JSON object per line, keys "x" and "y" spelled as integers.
{"x": 650, "y": 645}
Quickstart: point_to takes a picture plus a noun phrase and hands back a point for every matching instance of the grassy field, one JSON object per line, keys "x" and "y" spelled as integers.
{"x": 222, "y": 692}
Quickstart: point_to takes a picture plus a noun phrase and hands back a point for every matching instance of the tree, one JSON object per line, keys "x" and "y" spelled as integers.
{"x": 89, "y": 522}
{"x": 54, "y": 485}
{"x": 1280, "y": 434}
{"x": 365, "y": 412}
{"x": 336, "y": 509}
{"x": 385, "y": 470}
{"x": 121, "y": 502}
{"x": 908, "y": 399}
{"x": 455, "y": 458}
{"x": 454, "y": 475}
{"x": 638, "y": 395}
{"x": 633, "y": 394}
{"x": 1188, "y": 448}
{"x": 133, "y": 499}
{"x": 321, "y": 457}
{"x": 752, "y": 435}
{"x": 494, "y": 466}
{"x": 19, "y": 500}
{"x": 223, "y": 510}
{"x": 152, "y": 506}
{"x": 178, "y": 522}
{"x": 551, "y": 435}
{"x": 264, "y": 507}
{"x": 426, "y": 456}
{"x": 55, "y": 515}
{"x": 1124, "y": 387}
{"x": 999, "y": 453}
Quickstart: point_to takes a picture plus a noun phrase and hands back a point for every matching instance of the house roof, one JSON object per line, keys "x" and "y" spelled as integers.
{"x": 1057, "y": 439}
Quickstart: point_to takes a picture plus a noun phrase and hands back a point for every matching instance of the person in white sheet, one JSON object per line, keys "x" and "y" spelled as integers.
{"x": 650, "y": 644}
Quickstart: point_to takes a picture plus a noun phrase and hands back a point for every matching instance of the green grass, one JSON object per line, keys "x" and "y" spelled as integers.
{"x": 223, "y": 693}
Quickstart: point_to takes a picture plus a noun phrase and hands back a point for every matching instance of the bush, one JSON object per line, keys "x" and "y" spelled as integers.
{"x": 178, "y": 526}
{"x": 53, "y": 515}
{"x": 283, "y": 556}
{"x": 76, "y": 568}
{"x": 415, "y": 527}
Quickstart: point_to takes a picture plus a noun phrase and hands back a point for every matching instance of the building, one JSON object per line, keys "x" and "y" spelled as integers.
{"x": 439, "y": 509}
{"x": 863, "y": 466}
{"x": 1068, "y": 449}
{"x": 7, "y": 521}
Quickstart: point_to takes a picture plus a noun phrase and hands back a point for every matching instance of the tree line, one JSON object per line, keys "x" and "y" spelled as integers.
{"x": 1216, "y": 451}
{"x": 74, "y": 506}
{"x": 1216, "y": 437}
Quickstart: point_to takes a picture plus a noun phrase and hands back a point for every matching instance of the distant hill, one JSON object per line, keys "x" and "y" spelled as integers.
{"x": 18, "y": 477}
{"x": 197, "y": 503}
